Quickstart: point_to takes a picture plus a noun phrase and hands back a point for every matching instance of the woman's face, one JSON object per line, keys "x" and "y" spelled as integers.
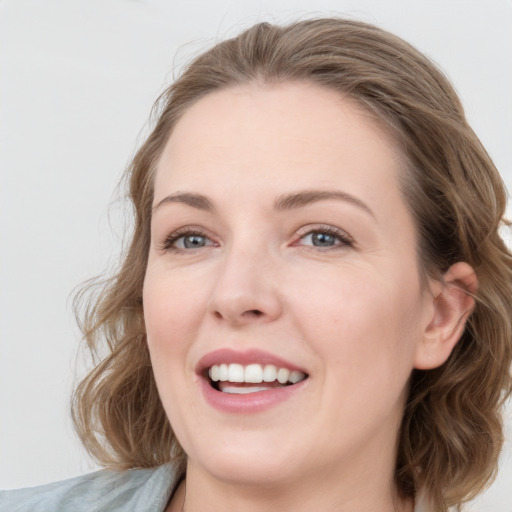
{"x": 280, "y": 238}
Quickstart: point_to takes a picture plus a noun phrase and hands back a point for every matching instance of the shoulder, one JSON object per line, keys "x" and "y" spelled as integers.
{"x": 138, "y": 490}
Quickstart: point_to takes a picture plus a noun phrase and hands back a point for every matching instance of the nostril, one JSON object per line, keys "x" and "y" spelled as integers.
{"x": 254, "y": 312}
{"x": 232, "y": 316}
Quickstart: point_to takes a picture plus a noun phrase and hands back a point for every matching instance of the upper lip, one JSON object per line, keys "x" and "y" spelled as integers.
{"x": 228, "y": 356}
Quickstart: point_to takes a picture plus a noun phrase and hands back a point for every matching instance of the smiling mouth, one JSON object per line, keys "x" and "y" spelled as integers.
{"x": 252, "y": 378}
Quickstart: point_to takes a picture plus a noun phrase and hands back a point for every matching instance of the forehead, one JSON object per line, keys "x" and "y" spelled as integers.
{"x": 283, "y": 135}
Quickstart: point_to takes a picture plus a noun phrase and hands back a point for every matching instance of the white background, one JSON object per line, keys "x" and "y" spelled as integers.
{"x": 77, "y": 81}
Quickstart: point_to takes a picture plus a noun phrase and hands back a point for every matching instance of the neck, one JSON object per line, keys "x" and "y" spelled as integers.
{"x": 360, "y": 478}
{"x": 200, "y": 491}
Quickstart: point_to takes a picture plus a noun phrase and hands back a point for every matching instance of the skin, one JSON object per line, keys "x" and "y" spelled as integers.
{"x": 354, "y": 314}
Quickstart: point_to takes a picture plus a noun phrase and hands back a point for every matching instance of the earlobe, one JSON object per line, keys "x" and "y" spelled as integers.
{"x": 453, "y": 302}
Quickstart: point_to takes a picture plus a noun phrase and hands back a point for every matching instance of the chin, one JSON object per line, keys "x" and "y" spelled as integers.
{"x": 247, "y": 472}
{"x": 249, "y": 461}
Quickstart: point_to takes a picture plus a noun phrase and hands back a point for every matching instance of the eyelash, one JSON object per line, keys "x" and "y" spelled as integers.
{"x": 168, "y": 244}
{"x": 169, "y": 241}
{"x": 344, "y": 239}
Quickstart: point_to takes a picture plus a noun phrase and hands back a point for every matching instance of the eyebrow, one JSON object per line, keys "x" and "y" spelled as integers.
{"x": 194, "y": 200}
{"x": 283, "y": 203}
{"x": 307, "y": 197}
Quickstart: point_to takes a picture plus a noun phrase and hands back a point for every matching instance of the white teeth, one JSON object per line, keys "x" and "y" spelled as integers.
{"x": 243, "y": 391}
{"x": 269, "y": 373}
{"x": 296, "y": 376}
{"x": 214, "y": 373}
{"x": 223, "y": 372}
{"x": 254, "y": 374}
{"x": 236, "y": 373}
{"x": 282, "y": 375}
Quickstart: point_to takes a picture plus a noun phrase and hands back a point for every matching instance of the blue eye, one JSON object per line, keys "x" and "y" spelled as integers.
{"x": 326, "y": 238}
{"x": 320, "y": 239}
{"x": 181, "y": 241}
{"x": 192, "y": 241}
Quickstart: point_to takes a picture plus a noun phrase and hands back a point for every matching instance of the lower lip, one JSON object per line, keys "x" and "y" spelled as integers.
{"x": 249, "y": 402}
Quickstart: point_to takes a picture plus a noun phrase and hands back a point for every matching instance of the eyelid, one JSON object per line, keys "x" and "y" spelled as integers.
{"x": 166, "y": 244}
{"x": 345, "y": 239}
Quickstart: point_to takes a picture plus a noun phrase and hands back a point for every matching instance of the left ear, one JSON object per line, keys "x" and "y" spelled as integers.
{"x": 452, "y": 303}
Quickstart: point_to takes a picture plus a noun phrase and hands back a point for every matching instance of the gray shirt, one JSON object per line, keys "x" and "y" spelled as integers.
{"x": 139, "y": 490}
{"x": 135, "y": 490}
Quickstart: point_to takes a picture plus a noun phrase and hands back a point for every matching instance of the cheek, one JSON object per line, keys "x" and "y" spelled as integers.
{"x": 362, "y": 323}
{"x": 172, "y": 311}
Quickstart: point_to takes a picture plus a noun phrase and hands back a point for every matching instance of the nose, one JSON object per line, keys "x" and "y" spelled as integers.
{"x": 246, "y": 289}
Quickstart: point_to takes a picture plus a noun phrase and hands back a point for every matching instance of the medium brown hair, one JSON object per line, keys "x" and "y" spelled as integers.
{"x": 451, "y": 432}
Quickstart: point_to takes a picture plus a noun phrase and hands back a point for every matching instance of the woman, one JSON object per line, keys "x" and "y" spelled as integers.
{"x": 314, "y": 311}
